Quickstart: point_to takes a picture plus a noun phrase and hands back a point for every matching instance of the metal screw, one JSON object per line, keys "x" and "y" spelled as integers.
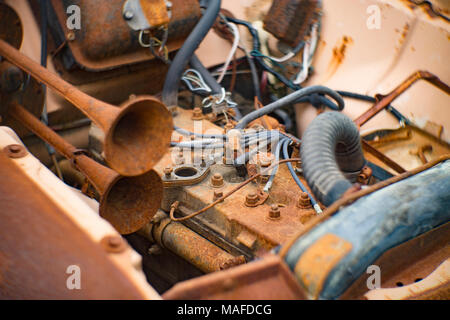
{"x": 274, "y": 212}
{"x": 70, "y": 36}
{"x": 15, "y": 151}
{"x": 304, "y": 202}
{"x": 251, "y": 198}
{"x": 217, "y": 194}
{"x": 203, "y": 163}
{"x": 128, "y": 15}
{"x": 197, "y": 114}
{"x": 168, "y": 171}
{"x": 113, "y": 244}
{"x": 217, "y": 180}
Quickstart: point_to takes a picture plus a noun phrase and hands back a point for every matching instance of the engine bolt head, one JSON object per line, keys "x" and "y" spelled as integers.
{"x": 303, "y": 201}
{"x": 197, "y": 114}
{"x": 217, "y": 180}
{"x": 217, "y": 194}
{"x": 274, "y": 212}
{"x": 251, "y": 198}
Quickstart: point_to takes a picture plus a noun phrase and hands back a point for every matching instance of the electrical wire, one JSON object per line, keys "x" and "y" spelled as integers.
{"x": 289, "y": 99}
{"x": 302, "y": 187}
{"x": 176, "y": 69}
{"x": 234, "y": 47}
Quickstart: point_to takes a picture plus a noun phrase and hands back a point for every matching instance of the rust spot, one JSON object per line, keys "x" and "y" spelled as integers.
{"x": 339, "y": 52}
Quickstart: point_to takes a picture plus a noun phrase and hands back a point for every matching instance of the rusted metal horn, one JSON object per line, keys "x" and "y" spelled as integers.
{"x": 137, "y": 134}
{"x": 128, "y": 203}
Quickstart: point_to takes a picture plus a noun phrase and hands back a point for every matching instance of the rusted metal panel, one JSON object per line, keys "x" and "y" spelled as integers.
{"x": 289, "y": 20}
{"x": 105, "y": 41}
{"x": 39, "y": 242}
{"x": 265, "y": 279}
{"x": 407, "y": 263}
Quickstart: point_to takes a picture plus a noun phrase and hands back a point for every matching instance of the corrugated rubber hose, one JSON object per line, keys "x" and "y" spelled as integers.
{"x": 331, "y": 148}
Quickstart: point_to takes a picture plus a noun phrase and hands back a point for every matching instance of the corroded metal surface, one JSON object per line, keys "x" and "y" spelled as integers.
{"x": 232, "y": 224}
{"x": 127, "y": 203}
{"x": 137, "y": 134}
{"x": 289, "y": 20}
{"x": 39, "y": 243}
{"x": 105, "y": 40}
{"x": 407, "y": 263}
{"x": 189, "y": 245}
{"x": 401, "y": 146}
{"x": 266, "y": 279}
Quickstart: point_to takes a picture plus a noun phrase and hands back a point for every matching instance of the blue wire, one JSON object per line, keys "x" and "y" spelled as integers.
{"x": 295, "y": 177}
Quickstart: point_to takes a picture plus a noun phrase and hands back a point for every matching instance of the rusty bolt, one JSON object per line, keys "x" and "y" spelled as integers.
{"x": 274, "y": 212}
{"x": 251, "y": 199}
{"x": 217, "y": 194}
{"x": 113, "y": 244}
{"x": 70, "y": 36}
{"x": 168, "y": 171}
{"x": 197, "y": 114}
{"x": 217, "y": 180}
{"x": 304, "y": 202}
{"x": 15, "y": 151}
{"x": 203, "y": 163}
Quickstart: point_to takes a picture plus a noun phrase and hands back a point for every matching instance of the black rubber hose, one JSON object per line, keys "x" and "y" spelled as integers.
{"x": 178, "y": 65}
{"x": 289, "y": 99}
{"x": 331, "y": 147}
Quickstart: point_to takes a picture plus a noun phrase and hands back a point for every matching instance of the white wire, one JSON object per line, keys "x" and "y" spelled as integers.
{"x": 308, "y": 54}
{"x": 236, "y": 34}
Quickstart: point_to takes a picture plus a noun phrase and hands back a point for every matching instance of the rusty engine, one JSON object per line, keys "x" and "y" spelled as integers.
{"x": 207, "y": 149}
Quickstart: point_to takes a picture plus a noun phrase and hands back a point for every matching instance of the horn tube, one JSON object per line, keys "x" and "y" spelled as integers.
{"x": 137, "y": 134}
{"x": 128, "y": 203}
